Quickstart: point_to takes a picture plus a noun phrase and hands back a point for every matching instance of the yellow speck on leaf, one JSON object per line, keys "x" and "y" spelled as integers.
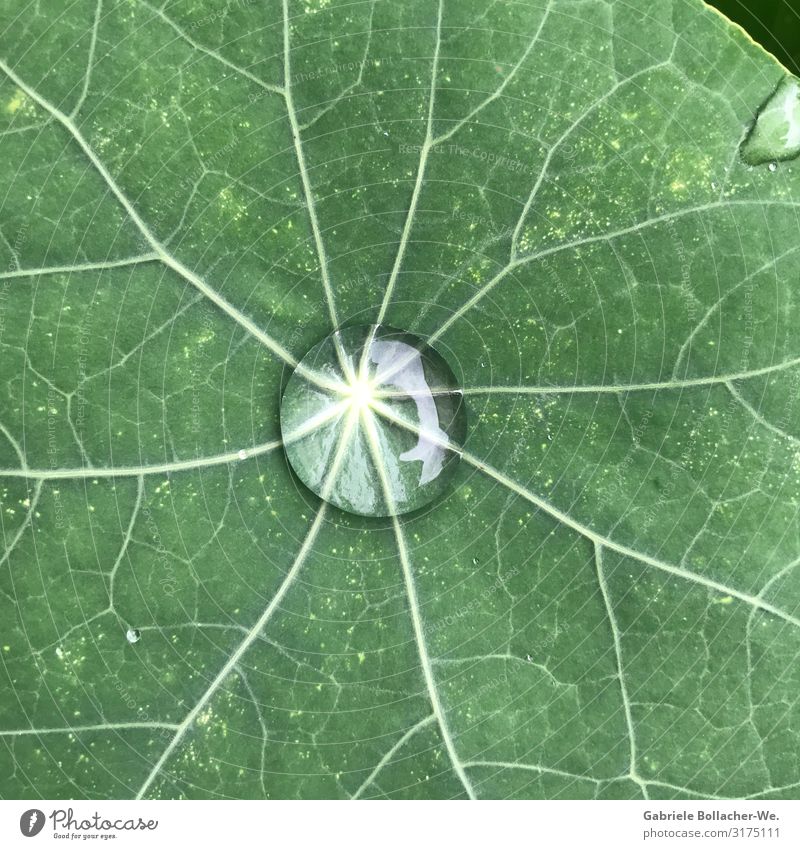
{"x": 16, "y": 102}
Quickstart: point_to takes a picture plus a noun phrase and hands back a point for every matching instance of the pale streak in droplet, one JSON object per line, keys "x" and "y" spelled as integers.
{"x": 791, "y": 112}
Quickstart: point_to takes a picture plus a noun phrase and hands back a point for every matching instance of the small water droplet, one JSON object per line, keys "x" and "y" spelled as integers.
{"x": 775, "y": 134}
{"x": 242, "y": 454}
{"x": 392, "y": 404}
{"x": 133, "y": 635}
{"x": 773, "y": 166}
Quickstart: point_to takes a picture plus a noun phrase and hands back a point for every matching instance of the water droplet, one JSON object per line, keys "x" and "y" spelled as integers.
{"x": 242, "y": 454}
{"x": 775, "y": 134}
{"x": 370, "y": 420}
{"x": 773, "y": 166}
{"x": 133, "y": 635}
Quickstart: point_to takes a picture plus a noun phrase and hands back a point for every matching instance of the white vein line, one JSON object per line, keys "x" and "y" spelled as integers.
{"x": 161, "y": 252}
{"x": 218, "y": 57}
{"x": 577, "y": 243}
{"x": 531, "y": 768}
{"x": 423, "y": 162}
{"x": 234, "y": 659}
{"x": 137, "y": 471}
{"x": 255, "y": 632}
{"x": 14, "y": 444}
{"x": 599, "y": 539}
{"x": 79, "y": 267}
{"x": 76, "y": 729}
{"x": 307, "y": 191}
{"x": 583, "y": 530}
{"x": 311, "y": 424}
{"x": 623, "y": 687}
{"x": 25, "y": 525}
{"x": 717, "y": 305}
{"x": 590, "y": 240}
{"x": 561, "y": 139}
{"x": 392, "y": 752}
{"x": 425, "y": 661}
{"x": 656, "y": 783}
{"x": 502, "y": 87}
{"x": 781, "y": 789}
{"x": 414, "y": 607}
{"x": 757, "y": 415}
{"x": 126, "y": 541}
{"x": 620, "y": 388}
{"x": 356, "y": 83}
{"x": 87, "y": 77}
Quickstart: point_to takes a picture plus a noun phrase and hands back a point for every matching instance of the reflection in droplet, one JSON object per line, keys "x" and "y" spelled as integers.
{"x": 133, "y": 635}
{"x": 775, "y": 134}
{"x": 398, "y": 404}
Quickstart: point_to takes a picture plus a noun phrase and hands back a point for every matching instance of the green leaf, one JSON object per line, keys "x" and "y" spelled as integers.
{"x": 604, "y": 603}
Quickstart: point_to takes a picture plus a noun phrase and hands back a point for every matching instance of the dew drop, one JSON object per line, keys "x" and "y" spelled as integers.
{"x": 775, "y": 134}
{"x": 133, "y": 635}
{"x": 773, "y": 166}
{"x": 371, "y": 419}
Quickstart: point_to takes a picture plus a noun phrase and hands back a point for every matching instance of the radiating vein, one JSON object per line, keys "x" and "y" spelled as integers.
{"x": 137, "y": 471}
{"x": 255, "y": 632}
{"x": 414, "y": 607}
{"x": 161, "y": 252}
{"x": 212, "y": 54}
{"x": 313, "y": 423}
{"x": 392, "y": 752}
{"x": 79, "y": 267}
{"x": 423, "y": 162}
{"x": 503, "y": 85}
{"x": 623, "y": 687}
{"x": 583, "y": 530}
{"x": 609, "y": 236}
{"x": 241, "y": 649}
{"x": 77, "y": 729}
{"x": 309, "y": 195}
{"x": 621, "y": 388}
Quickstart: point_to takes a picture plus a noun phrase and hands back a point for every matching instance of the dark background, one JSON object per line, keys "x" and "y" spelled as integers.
{"x": 775, "y": 24}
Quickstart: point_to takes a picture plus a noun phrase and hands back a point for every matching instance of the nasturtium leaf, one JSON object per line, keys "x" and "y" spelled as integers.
{"x": 557, "y": 197}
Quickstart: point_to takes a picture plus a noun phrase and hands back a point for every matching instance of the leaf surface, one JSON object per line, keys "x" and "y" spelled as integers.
{"x": 606, "y": 601}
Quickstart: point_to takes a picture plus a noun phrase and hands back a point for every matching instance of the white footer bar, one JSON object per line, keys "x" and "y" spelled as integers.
{"x": 385, "y": 824}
